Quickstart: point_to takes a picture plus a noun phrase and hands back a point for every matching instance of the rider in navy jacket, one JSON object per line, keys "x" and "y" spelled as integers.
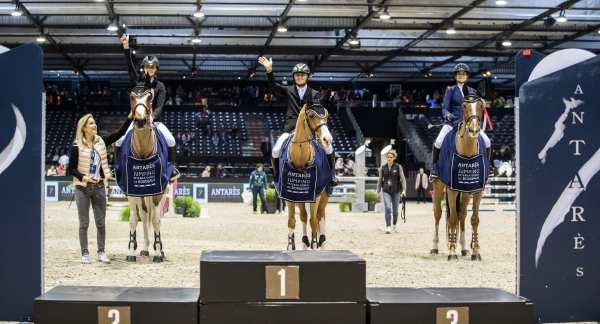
{"x": 452, "y": 111}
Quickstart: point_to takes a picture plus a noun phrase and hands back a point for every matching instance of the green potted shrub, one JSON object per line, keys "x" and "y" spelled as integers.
{"x": 125, "y": 214}
{"x": 371, "y": 199}
{"x": 346, "y": 206}
{"x": 271, "y": 199}
{"x": 181, "y": 204}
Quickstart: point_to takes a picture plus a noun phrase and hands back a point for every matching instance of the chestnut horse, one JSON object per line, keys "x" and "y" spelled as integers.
{"x": 458, "y": 202}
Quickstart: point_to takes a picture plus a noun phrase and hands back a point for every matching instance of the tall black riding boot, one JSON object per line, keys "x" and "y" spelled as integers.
{"x": 434, "y": 159}
{"x": 489, "y": 153}
{"x": 331, "y": 159}
{"x": 275, "y": 166}
{"x": 172, "y": 156}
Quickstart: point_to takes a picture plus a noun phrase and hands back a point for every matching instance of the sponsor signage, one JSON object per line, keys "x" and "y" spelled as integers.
{"x": 225, "y": 192}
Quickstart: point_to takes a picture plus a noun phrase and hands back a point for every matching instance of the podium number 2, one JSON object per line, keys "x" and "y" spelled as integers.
{"x": 113, "y": 313}
{"x": 452, "y": 314}
{"x": 281, "y": 274}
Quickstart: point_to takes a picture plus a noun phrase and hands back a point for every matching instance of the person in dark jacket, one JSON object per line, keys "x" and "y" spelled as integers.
{"x": 150, "y": 65}
{"x": 295, "y": 98}
{"x": 88, "y": 163}
{"x": 391, "y": 177}
{"x": 265, "y": 147}
{"x": 258, "y": 185}
{"x": 452, "y": 111}
{"x": 221, "y": 172}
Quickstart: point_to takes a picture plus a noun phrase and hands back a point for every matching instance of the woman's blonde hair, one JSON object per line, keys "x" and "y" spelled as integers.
{"x": 79, "y": 137}
{"x": 207, "y": 168}
{"x": 393, "y": 153}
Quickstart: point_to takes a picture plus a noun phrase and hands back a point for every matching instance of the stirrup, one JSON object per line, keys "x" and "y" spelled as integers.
{"x": 272, "y": 185}
{"x": 334, "y": 182}
{"x": 433, "y": 175}
{"x": 175, "y": 175}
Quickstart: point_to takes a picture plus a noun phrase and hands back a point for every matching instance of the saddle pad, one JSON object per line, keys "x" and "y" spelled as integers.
{"x": 460, "y": 173}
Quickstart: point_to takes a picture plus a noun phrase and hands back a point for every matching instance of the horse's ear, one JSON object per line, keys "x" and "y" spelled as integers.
{"x": 147, "y": 81}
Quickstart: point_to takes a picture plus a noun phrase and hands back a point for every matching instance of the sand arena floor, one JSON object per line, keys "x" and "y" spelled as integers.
{"x": 393, "y": 260}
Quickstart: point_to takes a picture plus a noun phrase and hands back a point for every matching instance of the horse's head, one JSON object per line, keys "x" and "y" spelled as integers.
{"x": 316, "y": 119}
{"x": 141, "y": 103}
{"x": 472, "y": 111}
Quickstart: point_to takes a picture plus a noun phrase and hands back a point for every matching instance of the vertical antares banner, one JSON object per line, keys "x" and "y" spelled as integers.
{"x": 21, "y": 176}
{"x": 559, "y": 188}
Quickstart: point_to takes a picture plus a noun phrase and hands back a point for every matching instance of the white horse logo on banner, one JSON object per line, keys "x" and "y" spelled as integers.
{"x": 10, "y": 153}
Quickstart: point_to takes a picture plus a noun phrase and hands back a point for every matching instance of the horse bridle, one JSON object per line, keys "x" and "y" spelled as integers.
{"x": 313, "y": 132}
{"x": 470, "y": 99}
{"x": 148, "y": 111}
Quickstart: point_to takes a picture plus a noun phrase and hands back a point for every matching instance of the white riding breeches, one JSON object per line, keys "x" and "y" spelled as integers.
{"x": 281, "y": 141}
{"x": 160, "y": 126}
{"x": 447, "y": 129}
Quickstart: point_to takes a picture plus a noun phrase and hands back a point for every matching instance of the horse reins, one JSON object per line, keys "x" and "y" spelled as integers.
{"x": 313, "y": 134}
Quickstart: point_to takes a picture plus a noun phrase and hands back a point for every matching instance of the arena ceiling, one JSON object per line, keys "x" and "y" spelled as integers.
{"x": 412, "y": 45}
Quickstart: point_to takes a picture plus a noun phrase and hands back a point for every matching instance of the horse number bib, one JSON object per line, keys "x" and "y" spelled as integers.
{"x": 144, "y": 177}
{"x": 297, "y": 186}
{"x": 468, "y": 174}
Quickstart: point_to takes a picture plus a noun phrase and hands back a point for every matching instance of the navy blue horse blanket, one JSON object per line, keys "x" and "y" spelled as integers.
{"x": 459, "y": 173}
{"x": 298, "y": 186}
{"x": 143, "y": 177}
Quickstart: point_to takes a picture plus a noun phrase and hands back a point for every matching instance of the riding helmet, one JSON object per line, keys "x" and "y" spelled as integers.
{"x": 151, "y": 60}
{"x": 301, "y": 68}
{"x": 462, "y": 67}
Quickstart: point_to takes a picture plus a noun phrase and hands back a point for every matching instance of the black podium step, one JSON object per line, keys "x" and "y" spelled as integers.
{"x": 104, "y": 305}
{"x": 445, "y": 305}
{"x": 278, "y": 313}
{"x": 256, "y": 276}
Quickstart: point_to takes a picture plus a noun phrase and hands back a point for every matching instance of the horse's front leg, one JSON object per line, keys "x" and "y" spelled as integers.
{"x": 438, "y": 193}
{"x": 475, "y": 256}
{"x": 304, "y": 220}
{"x": 154, "y": 216}
{"x": 452, "y": 224}
{"x": 143, "y": 210}
{"x": 133, "y": 221}
{"x": 291, "y": 225}
{"x": 462, "y": 216}
{"x": 321, "y": 219}
{"x": 314, "y": 224}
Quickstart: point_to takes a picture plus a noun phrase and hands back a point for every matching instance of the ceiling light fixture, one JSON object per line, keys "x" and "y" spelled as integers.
{"x": 41, "y": 38}
{"x": 113, "y": 27}
{"x": 282, "y": 28}
{"x": 196, "y": 40}
{"x": 561, "y": 18}
{"x": 500, "y": 2}
{"x": 506, "y": 42}
{"x": 16, "y": 12}
{"x": 354, "y": 41}
{"x": 199, "y": 13}
{"x": 450, "y": 30}
{"x": 384, "y": 14}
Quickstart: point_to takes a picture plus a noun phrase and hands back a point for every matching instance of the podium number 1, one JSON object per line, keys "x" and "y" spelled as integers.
{"x": 281, "y": 274}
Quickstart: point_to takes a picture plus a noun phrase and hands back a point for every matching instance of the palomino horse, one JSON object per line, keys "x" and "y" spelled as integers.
{"x": 458, "y": 202}
{"x": 143, "y": 146}
{"x": 312, "y": 121}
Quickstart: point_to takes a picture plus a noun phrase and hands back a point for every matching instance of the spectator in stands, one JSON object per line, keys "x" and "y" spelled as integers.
{"x": 179, "y": 141}
{"x": 178, "y": 100}
{"x": 106, "y": 91}
{"x": 222, "y": 130}
{"x": 437, "y": 99}
{"x": 201, "y": 124}
{"x": 208, "y": 132}
{"x": 421, "y": 184}
{"x": 64, "y": 159}
{"x": 265, "y": 147}
{"x": 223, "y": 139}
{"x": 197, "y": 96}
{"x": 346, "y": 173}
{"x": 396, "y": 101}
{"x": 258, "y": 185}
{"x": 391, "y": 178}
{"x": 206, "y": 173}
{"x": 111, "y": 160}
{"x": 497, "y": 159}
{"x": 233, "y": 131}
{"x": 56, "y": 156}
{"x": 387, "y": 96}
{"x": 215, "y": 139}
{"x": 61, "y": 171}
{"x": 180, "y": 92}
{"x": 123, "y": 97}
{"x": 185, "y": 137}
{"x": 339, "y": 165}
{"x": 190, "y": 98}
{"x": 51, "y": 171}
{"x": 187, "y": 151}
{"x": 78, "y": 94}
{"x": 506, "y": 154}
{"x": 221, "y": 172}
{"x": 193, "y": 138}
{"x": 86, "y": 90}
{"x": 169, "y": 102}
{"x": 349, "y": 164}
{"x": 98, "y": 90}
{"x": 338, "y": 173}
{"x": 366, "y": 172}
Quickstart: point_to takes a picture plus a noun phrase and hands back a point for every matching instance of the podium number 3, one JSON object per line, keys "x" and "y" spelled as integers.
{"x": 113, "y": 313}
{"x": 281, "y": 274}
{"x": 452, "y": 314}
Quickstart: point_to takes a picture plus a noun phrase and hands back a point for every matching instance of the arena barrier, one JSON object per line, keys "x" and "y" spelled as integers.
{"x": 281, "y": 287}
{"x": 120, "y": 204}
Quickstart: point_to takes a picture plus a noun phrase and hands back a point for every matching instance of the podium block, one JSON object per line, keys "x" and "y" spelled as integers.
{"x": 124, "y": 305}
{"x": 447, "y": 305}
{"x": 286, "y": 276}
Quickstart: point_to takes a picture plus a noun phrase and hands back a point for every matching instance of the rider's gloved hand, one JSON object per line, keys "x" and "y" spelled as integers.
{"x": 450, "y": 117}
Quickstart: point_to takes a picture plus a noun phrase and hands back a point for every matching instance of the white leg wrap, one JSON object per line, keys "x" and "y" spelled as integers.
{"x": 290, "y": 231}
{"x": 463, "y": 241}
{"x": 322, "y": 226}
{"x": 304, "y": 229}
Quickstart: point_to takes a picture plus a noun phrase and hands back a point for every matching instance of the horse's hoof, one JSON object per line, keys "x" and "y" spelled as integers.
{"x": 464, "y": 252}
{"x": 322, "y": 240}
{"x": 131, "y": 258}
{"x": 452, "y": 257}
{"x": 144, "y": 253}
{"x": 434, "y": 251}
{"x": 157, "y": 259}
{"x": 314, "y": 244}
{"x": 476, "y": 257}
{"x": 305, "y": 243}
{"x": 162, "y": 253}
{"x": 291, "y": 247}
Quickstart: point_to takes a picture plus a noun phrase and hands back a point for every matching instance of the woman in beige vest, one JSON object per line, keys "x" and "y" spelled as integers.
{"x": 88, "y": 165}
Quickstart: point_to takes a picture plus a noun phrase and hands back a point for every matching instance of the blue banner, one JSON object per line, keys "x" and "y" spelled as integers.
{"x": 21, "y": 175}
{"x": 559, "y": 227}
{"x": 296, "y": 186}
